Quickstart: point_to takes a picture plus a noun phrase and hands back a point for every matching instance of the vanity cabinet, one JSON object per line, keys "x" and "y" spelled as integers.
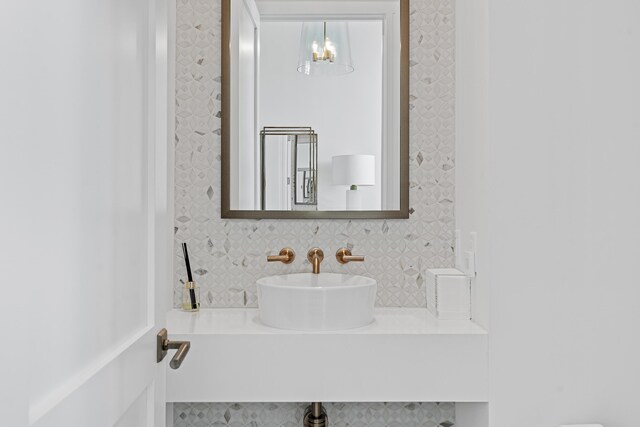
{"x": 405, "y": 355}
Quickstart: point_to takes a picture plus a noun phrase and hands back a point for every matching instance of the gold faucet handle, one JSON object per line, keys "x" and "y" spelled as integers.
{"x": 286, "y": 256}
{"x": 344, "y": 256}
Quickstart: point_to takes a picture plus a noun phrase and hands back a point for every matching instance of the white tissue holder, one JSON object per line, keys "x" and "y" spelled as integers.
{"x": 448, "y": 294}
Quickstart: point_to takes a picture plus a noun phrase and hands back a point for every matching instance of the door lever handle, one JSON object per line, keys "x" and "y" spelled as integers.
{"x": 163, "y": 345}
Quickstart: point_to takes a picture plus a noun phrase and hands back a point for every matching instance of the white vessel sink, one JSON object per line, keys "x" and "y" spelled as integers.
{"x": 316, "y": 302}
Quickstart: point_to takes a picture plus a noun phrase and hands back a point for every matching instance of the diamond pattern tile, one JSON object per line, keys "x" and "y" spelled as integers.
{"x": 290, "y": 414}
{"x": 228, "y": 255}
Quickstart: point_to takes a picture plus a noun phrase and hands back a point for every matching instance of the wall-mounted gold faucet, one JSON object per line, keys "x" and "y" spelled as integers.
{"x": 315, "y": 257}
{"x": 286, "y": 256}
{"x": 344, "y": 256}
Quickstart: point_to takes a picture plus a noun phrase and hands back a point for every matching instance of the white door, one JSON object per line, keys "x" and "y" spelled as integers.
{"x": 85, "y": 172}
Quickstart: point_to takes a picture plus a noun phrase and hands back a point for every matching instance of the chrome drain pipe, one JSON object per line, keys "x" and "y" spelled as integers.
{"x": 315, "y": 416}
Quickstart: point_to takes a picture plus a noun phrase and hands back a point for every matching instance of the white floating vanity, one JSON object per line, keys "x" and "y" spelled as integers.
{"x": 405, "y": 355}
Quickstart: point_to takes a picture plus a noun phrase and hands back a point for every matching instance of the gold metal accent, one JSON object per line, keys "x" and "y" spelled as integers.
{"x": 327, "y": 54}
{"x": 227, "y": 212}
{"x": 163, "y": 345}
{"x": 344, "y": 256}
{"x": 286, "y": 256}
{"x": 295, "y": 132}
{"x": 190, "y": 288}
{"x": 315, "y": 257}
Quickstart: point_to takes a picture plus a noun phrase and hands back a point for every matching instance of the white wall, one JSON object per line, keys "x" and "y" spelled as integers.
{"x": 472, "y": 149}
{"x": 277, "y": 157}
{"x": 562, "y": 206}
{"x": 245, "y": 25}
{"x": 345, "y": 111}
{"x": 18, "y": 154}
{"x": 246, "y": 108}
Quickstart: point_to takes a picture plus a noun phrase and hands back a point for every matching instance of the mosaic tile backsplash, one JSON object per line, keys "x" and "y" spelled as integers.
{"x": 290, "y": 414}
{"x": 227, "y": 256}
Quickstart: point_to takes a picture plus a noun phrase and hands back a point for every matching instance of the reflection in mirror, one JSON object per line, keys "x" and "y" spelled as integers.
{"x": 314, "y": 107}
{"x": 289, "y": 164}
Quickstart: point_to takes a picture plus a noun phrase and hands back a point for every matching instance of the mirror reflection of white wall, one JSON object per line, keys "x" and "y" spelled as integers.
{"x": 352, "y": 114}
{"x": 245, "y": 40}
{"x": 345, "y": 111}
{"x": 278, "y": 179}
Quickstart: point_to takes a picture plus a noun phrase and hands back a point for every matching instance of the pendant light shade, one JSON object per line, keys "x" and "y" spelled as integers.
{"x": 325, "y": 48}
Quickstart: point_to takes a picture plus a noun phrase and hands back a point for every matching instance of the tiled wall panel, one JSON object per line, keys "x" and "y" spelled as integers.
{"x": 290, "y": 414}
{"x": 227, "y": 256}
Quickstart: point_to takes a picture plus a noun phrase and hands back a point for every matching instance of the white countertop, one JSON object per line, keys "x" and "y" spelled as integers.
{"x": 388, "y": 321}
{"x": 405, "y": 355}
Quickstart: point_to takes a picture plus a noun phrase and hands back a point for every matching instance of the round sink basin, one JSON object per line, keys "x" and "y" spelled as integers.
{"x": 316, "y": 302}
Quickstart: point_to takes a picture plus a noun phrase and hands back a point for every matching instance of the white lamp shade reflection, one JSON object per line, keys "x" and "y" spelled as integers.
{"x": 354, "y": 170}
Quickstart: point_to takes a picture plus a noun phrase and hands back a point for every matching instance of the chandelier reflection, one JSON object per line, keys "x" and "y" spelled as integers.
{"x": 325, "y": 48}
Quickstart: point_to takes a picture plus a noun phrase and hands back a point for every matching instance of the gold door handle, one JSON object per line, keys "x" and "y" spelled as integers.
{"x": 163, "y": 345}
{"x": 286, "y": 256}
{"x": 344, "y": 256}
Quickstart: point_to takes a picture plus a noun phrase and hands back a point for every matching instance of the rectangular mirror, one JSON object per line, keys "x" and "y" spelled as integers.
{"x": 315, "y": 109}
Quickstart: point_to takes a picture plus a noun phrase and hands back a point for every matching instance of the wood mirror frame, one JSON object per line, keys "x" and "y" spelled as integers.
{"x": 403, "y": 212}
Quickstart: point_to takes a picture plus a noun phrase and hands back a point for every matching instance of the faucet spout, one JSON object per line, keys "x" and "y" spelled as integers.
{"x": 315, "y": 257}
